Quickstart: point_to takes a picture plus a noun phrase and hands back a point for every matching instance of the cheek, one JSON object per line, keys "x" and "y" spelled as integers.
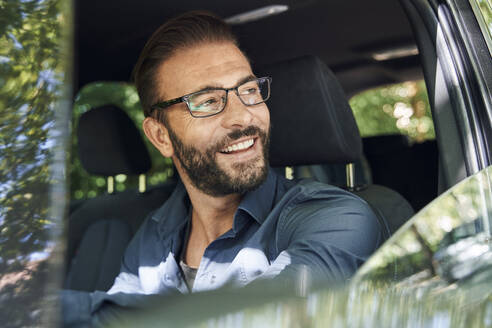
{"x": 199, "y": 134}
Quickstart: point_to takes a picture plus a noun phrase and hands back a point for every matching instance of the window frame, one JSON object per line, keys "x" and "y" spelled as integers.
{"x": 453, "y": 75}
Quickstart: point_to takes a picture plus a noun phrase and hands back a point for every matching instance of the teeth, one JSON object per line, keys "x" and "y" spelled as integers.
{"x": 239, "y": 146}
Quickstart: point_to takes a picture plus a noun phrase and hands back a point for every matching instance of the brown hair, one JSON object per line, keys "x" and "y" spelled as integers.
{"x": 186, "y": 30}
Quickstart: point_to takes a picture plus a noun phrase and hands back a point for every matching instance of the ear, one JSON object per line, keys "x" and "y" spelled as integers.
{"x": 158, "y": 134}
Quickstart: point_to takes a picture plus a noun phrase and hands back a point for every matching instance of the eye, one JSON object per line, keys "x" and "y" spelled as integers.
{"x": 208, "y": 102}
{"x": 250, "y": 90}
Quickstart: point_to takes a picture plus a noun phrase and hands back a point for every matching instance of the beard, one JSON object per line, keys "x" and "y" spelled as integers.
{"x": 205, "y": 173}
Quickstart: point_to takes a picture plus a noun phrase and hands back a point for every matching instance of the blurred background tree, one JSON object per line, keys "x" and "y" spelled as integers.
{"x": 396, "y": 109}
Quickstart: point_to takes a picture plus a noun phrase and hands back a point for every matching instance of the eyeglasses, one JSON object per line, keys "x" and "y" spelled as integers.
{"x": 212, "y": 101}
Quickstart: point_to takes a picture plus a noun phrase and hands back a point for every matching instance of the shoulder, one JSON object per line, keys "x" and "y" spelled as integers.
{"x": 311, "y": 193}
{"x": 312, "y": 207}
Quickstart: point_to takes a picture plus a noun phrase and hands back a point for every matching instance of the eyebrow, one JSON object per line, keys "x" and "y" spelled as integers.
{"x": 216, "y": 86}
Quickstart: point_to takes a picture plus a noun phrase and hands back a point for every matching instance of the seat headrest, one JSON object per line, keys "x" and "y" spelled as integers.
{"x": 312, "y": 122}
{"x": 110, "y": 144}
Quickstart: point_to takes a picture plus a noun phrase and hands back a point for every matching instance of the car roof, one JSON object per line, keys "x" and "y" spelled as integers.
{"x": 110, "y": 34}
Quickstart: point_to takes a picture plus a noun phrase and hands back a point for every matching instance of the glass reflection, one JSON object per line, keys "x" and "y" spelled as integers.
{"x": 33, "y": 73}
{"x": 434, "y": 272}
{"x": 437, "y": 236}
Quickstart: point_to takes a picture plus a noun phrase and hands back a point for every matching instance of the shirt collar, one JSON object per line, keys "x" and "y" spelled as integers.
{"x": 259, "y": 202}
{"x": 173, "y": 214}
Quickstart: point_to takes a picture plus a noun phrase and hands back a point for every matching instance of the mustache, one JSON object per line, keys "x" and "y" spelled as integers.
{"x": 237, "y": 134}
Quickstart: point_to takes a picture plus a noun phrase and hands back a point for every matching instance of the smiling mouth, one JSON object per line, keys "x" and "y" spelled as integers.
{"x": 238, "y": 147}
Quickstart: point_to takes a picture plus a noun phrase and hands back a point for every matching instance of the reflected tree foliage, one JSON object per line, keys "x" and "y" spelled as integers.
{"x": 364, "y": 305}
{"x": 412, "y": 250}
{"x": 31, "y": 77}
{"x": 486, "y": 11}
{"x": 407, "y": 283}
{"x": 447, "y": 242}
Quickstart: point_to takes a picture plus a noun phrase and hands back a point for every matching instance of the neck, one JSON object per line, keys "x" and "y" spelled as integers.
{"x": 211, "y": 217}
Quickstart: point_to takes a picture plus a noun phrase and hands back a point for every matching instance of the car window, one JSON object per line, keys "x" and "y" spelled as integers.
{"x": 401, "y": 108}
{"x": 398, "y": 137}
{"x": 435, "y": 272}
{"x": 123, "y": 95}
{"x": 440, "y": 261}
{"x": 447, "y": 242}
{"x": 35, "y": 86}
{"x": 483, "y": 13}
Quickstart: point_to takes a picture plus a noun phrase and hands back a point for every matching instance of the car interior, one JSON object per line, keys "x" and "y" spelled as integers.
{"x": 318, "y": 53}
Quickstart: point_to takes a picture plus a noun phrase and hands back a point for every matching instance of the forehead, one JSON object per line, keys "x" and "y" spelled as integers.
{"x": 210, "y": 64}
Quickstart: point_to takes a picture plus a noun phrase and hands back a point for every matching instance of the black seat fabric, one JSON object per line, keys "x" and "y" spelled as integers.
{"x": 130, "y": 207}
{"x": 100, "y": 246}
{"x": 100, "y": 228}
{"x": 336, "y": 174}
{"x": 425, "y": 166}
{"x": 387, "y": 204}
{"x": 312, "y": 123}
{"x": 392, "y": 157}
{"x": 110, "y": 144}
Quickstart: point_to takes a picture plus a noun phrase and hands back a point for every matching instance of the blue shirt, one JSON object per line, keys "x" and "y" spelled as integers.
{"x": 277, "y": 228}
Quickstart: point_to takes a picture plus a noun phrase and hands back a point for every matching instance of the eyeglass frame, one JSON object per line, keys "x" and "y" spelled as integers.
{"x": 168, "y": 103}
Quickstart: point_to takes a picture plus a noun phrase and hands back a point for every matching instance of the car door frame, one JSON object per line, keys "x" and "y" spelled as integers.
{"x": 458, "y": 72}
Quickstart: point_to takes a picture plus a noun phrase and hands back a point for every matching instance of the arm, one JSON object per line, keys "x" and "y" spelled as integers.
{"x": 332, "y": 235}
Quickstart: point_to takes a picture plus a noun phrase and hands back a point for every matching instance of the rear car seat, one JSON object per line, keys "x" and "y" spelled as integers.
{"x": 100, "y": 228}
{"x": 409, "y": 169}
{"x": 313, "y": 124}
{"x": 390, "y": 161}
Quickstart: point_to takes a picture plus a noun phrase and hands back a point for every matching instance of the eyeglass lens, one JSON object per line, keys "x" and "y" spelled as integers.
{"x": 213, "y": 101}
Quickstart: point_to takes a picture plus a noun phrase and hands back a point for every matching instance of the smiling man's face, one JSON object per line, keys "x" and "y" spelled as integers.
{"x": 222, "y": 154}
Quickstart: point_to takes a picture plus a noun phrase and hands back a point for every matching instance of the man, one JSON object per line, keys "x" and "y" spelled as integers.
{"x": 232, "y": 220}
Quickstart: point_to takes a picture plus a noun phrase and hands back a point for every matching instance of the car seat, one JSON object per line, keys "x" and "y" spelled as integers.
{"x": 410, "y": 169}
{"x": 100, "y": 228}
{"x": 313, "y": 124}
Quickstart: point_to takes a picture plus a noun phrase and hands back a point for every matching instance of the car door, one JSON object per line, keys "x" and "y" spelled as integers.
{"x": 434, "y": 272}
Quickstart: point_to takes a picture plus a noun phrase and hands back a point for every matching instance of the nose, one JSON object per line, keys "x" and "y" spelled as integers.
{"x": 236, "y": 114}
